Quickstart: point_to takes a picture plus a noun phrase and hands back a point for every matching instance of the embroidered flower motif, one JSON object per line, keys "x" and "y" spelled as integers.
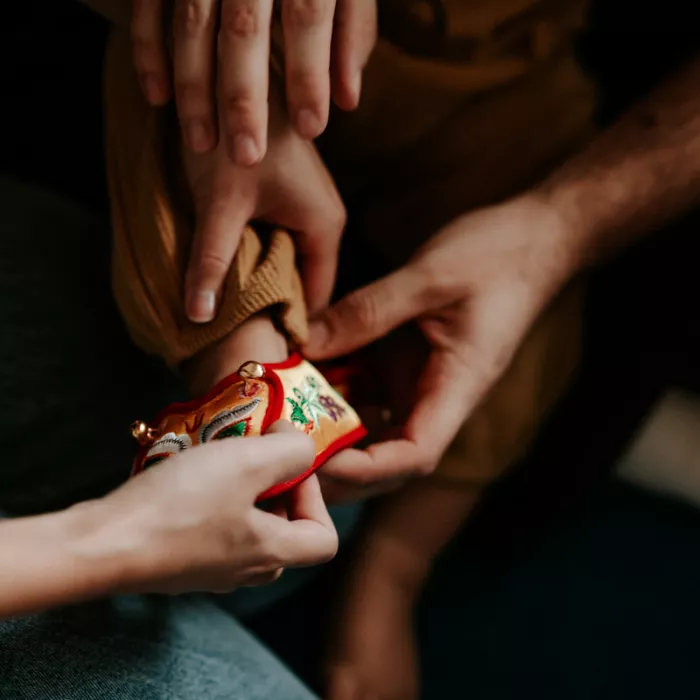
{"x": 332, "y": 407}
{"x": 306, "y": 405}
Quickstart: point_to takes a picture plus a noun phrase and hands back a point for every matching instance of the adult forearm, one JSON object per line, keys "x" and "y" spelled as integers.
{"x": 637, "y": 175}
{"x": 63, "y": 558}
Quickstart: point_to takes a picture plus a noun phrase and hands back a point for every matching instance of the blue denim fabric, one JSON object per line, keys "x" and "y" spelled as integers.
{"x": 141, "y": 648}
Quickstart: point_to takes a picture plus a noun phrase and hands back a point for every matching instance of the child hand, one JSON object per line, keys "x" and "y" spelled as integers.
{"x": 290, "y": 188}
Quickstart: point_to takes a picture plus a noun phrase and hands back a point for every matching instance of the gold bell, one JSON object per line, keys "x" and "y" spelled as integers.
{"x": 142, "y": 433}
{"x": 250, "y": 370}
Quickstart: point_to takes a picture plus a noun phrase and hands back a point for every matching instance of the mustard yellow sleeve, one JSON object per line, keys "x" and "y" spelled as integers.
{"x": 152, "y": 233}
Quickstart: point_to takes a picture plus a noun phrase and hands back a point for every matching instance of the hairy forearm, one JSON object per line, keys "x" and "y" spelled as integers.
{"x": 78, "y": 554}
{"x": 635, "y": 176}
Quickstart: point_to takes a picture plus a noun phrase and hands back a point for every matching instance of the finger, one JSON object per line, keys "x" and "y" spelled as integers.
{"x": 260, "y": 462}
{"x": 368, "y": 314}
{"x": 353, "y": 40}
{"x": 309, "y": 537}
{"x": 447, "y": 393}
{"x": 317, "y": 215}
{"x": 193, "y": 64}
{"x": 337, "y": 491}
{"x": 318, "y": 259}
{"x": 220, "y": 224}
{"x": 244, "y": 58}
{"x": 381, "y": 466}
{"x": 308, "y": 32}
{"x": 302, "y": 452}
{"x": 306, "y": 503}
{"x": 150, "y": 56}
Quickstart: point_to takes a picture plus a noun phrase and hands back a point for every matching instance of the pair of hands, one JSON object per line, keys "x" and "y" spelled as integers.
{"x": 247, "y": 149}
{"x": 191, "y": 524}
{"x": 473, "y": 290}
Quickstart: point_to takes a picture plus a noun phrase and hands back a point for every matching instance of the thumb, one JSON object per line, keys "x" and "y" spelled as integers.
{"x": 368, "y": 314}
{"x": 219, "y": 227}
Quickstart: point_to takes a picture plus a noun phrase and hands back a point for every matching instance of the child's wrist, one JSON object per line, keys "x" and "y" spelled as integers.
{"x": 257, "y": 339}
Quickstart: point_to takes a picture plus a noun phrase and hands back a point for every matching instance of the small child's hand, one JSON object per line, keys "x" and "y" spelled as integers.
{"x": 290, "y": 188}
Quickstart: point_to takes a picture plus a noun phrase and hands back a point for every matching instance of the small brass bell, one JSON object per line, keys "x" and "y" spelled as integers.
{"x": 142, "y": 433}
{"x": 250, "y": 370}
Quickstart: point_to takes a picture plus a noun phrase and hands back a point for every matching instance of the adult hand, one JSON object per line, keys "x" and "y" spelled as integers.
{"x": 290, "y": 188}
{"x": 326, "y": 45}
{"x": 474, "y": 290}
{"x": 195, "y": 524}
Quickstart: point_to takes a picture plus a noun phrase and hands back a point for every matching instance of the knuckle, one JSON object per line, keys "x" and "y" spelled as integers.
{"x": 308, "y": 85}
{"x": 429, "y": 275}
{"x": 272, "y": 554}
{"x": 191, "y": 97}
{"x": 364, "y": 310}
{"x": 240, "y": 19}
{"x": 194, "y": 18}
{"x": 331, "y": 548}
{"x": 426, "y": 466}
{"x": 211, "y": 265}
{"x": 239, "y": 107}
{"x": 304, "y": 14}
{"x": 338, "y": 218}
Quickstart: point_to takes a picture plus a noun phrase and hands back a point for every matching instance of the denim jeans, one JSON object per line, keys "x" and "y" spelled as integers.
{"x": 70, "y": 383}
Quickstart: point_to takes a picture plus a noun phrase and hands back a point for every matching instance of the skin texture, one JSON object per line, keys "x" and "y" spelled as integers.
{"x": 173, "y": 529}
{"x": 477, "y": 286}
{"x": 290, "y": 188}
{"x": 326, "y": 45}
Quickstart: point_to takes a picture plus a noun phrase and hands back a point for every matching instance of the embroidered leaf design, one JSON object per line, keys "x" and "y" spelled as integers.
{"x": 235, "y": 430}
{"x": 298, "y": 415}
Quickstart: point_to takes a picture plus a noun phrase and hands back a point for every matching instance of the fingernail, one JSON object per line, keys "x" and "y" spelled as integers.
{"x": 154, "y": 88}
{"x": 308, "y": 124}
{"x": 197, "y": 135}
{"x": 245, "y": 150}
{"x": 201, "y": 305}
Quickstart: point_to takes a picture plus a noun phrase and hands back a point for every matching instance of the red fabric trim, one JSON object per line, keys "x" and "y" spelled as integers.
{"x": 347, "y": 440}
{"x": 273, "y": 413}
{"x": 276, "y": 403}
{"x": 294, "y": 360}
